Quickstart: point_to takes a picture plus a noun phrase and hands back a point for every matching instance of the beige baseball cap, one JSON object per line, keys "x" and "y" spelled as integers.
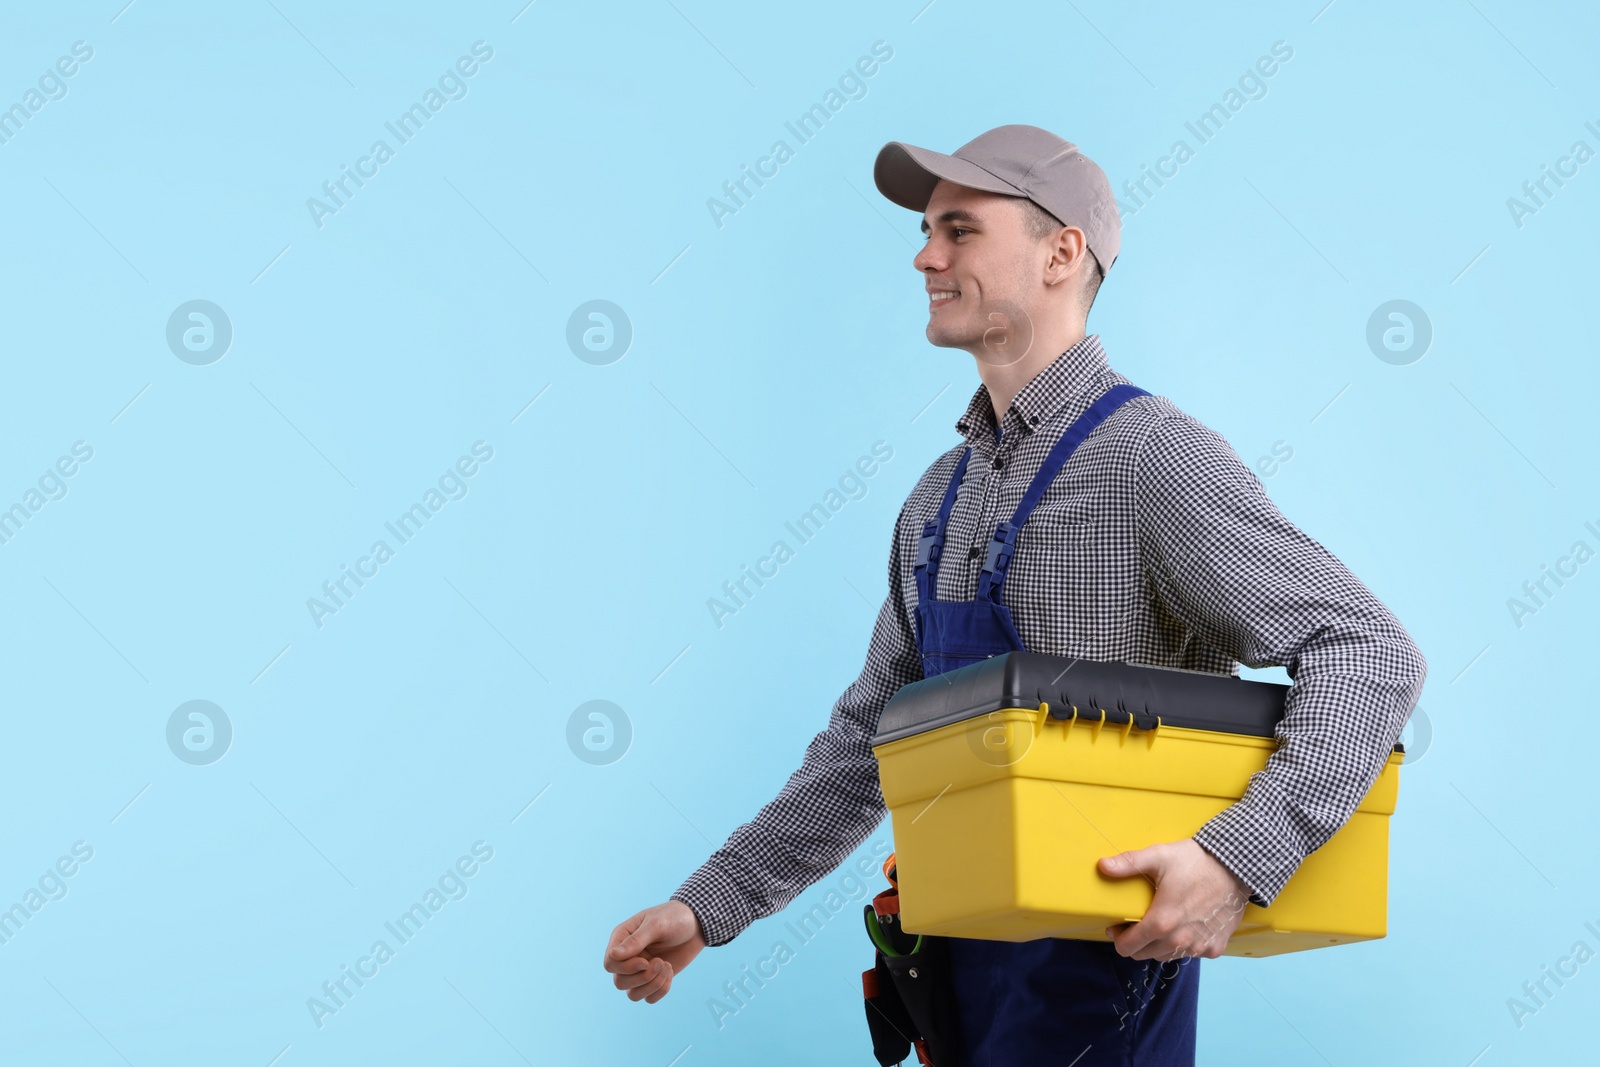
{"x": 1016, "y": 161}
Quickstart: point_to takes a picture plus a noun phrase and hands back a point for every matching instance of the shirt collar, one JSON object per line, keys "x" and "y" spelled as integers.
{"x": 1066, "y": 377}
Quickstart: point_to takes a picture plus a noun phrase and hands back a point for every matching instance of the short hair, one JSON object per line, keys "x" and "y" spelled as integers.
{"x": 1039, "y": 224}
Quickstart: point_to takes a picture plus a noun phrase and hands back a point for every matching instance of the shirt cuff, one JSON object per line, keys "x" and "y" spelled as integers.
{"x": 714, "y": 897}
{"x": 1250, "y": 843}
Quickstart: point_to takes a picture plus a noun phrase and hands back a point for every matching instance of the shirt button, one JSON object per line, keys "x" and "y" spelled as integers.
{"x": 973, "y": 554}
{"x": 997, "y": 462}
{"x": 1034, "y": 421}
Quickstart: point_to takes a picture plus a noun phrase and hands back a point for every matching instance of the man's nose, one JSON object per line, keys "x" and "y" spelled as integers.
{"x": 928, "y": 258}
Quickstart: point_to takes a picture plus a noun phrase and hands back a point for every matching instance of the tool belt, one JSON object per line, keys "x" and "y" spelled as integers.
{"x": 910, "y": 1001}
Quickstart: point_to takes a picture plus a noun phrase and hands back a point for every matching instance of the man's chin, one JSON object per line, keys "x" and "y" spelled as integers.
{"x": 943, "y": 337}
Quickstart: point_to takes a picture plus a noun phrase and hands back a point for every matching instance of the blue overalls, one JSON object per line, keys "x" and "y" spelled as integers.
{"x": 1053, "y": 1000}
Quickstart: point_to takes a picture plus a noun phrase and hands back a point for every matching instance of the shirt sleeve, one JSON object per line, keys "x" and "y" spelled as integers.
{"x": 828, "y": 806}
{"x": 1248, "y": 582}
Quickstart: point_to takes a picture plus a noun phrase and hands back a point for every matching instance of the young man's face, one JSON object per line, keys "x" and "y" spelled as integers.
{"x": 978, "y": 266}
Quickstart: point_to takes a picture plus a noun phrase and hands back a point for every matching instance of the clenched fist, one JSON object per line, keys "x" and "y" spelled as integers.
{"x": 646, "y": 950}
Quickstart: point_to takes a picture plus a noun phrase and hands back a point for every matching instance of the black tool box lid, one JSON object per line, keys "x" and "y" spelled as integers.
{"x": 1198, "y": 700}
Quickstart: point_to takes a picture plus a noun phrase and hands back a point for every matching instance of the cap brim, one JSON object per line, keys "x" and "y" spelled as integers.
{"x": 906, "y": 175}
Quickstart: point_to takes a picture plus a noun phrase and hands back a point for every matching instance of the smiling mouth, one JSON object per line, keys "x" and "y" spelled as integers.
{"x": 937, "y": 299}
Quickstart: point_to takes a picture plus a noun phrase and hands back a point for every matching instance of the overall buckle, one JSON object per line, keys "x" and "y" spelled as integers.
{"x": 930, "y": 546}
{"x": 1001, "y": 547}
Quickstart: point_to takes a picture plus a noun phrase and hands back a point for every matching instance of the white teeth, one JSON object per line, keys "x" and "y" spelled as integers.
{"x": 937, "y": 296}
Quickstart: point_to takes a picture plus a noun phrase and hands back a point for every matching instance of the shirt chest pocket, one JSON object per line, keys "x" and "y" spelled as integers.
{"x": 1072, "y": 520}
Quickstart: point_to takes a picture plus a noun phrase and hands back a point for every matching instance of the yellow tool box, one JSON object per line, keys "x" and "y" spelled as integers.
{"x": 1008, "y": 779}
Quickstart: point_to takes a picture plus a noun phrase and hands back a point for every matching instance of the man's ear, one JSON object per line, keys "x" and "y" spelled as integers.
{"x": 1067, "y": 248}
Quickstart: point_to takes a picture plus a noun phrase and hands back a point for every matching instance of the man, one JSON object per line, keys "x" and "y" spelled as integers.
{"x": 1151, "y": 543}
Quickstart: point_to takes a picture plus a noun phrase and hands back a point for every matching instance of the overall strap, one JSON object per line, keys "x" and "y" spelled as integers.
{"x": 1004, "y": 542}
{"x": 930, "y": 546}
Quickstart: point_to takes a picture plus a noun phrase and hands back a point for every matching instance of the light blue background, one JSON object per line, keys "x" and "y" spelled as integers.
{"x": 768, "y": 354}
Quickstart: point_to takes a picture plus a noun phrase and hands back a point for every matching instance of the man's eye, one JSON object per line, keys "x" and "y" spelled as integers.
{"x": 960, "y": 230}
